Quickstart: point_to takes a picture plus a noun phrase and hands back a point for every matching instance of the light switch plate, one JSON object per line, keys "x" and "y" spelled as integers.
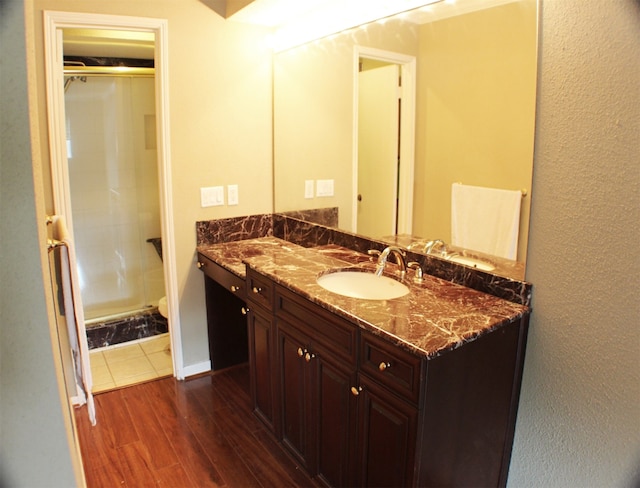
{"x": 232, "y": 194}
{"x": 324, "y": 188}
{"x": 211, "y": 196}
{"x": 308, "y": 188}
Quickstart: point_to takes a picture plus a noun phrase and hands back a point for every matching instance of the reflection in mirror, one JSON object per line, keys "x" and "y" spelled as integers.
{"x": 475, "y": 83}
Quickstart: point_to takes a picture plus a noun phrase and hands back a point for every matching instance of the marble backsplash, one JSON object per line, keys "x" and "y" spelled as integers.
{"x": 302, "y": 231}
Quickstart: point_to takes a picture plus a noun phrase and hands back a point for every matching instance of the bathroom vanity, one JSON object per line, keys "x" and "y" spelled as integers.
{"x": 420, "y": 390}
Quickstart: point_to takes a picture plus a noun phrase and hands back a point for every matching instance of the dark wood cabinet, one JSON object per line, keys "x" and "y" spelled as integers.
{"x": 315, "y": 404}
{"x": 387, "y": 431}
{"x": 261, "y": 337}
{"x": 355, "y": 409}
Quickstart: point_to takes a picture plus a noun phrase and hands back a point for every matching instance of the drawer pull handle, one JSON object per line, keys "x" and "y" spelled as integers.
{"x": 308, "y": 356}
{"x": 301, "y": 352}
{"x": 382, "y": 366}
{"x": 200, "y": 264}
{"x": 356, "y": 391}
{"x": 244, "y": 310}
{"x": 256, "y": 289}
{"x": 234, "y": 288}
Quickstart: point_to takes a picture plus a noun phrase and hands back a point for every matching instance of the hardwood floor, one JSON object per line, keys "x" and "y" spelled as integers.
{"x": 194, "y": 433}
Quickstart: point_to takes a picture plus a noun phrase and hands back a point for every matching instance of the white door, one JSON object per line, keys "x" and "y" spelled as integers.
{"x": 378, "y": 133}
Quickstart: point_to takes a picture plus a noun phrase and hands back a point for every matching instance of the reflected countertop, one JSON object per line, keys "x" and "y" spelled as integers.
{"x": 437, "y": 316}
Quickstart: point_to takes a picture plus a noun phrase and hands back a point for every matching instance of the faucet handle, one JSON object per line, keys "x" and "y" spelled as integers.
{"x": 418, "y": 271}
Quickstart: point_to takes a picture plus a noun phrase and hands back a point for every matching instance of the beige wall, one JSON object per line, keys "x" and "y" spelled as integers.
{"x": 313, "y": 117}
{"x": 485, "y": 137}
{"x": 220, "y": 127}
{"x": 580, "y": 405}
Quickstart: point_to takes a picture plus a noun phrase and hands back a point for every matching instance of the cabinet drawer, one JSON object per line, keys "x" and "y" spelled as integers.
{"x": 220, "y": 275}
{"x": 393, "y": 367}
{"x": 324, "y": 328}
{"x": 259, "y": 289}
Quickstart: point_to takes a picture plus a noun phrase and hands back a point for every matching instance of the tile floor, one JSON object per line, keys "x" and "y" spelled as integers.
{"x": 130, "y": 363}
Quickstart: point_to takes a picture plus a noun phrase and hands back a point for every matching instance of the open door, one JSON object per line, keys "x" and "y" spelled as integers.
{"x": 378, "y": 150}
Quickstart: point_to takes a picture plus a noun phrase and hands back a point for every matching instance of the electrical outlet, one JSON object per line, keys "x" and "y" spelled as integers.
{"x": 324, "y": 188}
{"x": 232, "y": 194}
{"x": 308, "y": 188}
{"x": 211, "y": 196}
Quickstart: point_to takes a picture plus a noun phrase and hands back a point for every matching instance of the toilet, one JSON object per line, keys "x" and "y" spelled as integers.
{"x": 162, "y": 307}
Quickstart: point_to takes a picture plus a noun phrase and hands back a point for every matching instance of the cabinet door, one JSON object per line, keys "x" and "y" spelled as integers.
{"x": 333, "y": 413}
{"x": 294, "y": 385}
{"x": 386, "y": 437}
{"x": 260, "y": 330}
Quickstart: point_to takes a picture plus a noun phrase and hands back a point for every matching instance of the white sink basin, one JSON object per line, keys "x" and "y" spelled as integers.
{"x": 472, "y": 262}
{"x": 362, "y": 284}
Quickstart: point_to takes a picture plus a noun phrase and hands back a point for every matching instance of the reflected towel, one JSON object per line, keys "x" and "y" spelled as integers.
{"x": 485, "y": 219}
{"x": 74, "y": 315}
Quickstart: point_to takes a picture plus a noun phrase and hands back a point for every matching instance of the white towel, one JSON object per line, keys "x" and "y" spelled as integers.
{"x": 485, "y": 219}
{"x": 74, "y": 315}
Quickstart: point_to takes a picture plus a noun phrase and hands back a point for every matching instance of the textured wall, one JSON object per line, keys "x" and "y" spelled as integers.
{"x": 33, "y": 447}
{"x": 579, "y": 416}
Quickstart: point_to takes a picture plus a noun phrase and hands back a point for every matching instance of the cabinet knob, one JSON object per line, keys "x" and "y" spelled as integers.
{"x": 300, "y": 352}
{"x": 309, "y": 356}
{"x": 356, "y": 391}
{"x": 200, "y": 264}
{"x": 234, "y": 288}
{"x": 382, "y": 366}
{"x": 244, "y": 310}
{"x": 256, "y": 289}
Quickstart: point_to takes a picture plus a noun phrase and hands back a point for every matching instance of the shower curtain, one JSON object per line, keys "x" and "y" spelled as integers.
{"x": 113, "y": 180}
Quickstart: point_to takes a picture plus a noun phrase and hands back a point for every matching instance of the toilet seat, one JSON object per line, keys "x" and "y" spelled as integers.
{"x": 162, "y": 307}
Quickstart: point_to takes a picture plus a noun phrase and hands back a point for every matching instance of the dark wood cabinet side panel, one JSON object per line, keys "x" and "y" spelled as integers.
{"x": 515, "y": 398}
{"x": 467, "y": 407}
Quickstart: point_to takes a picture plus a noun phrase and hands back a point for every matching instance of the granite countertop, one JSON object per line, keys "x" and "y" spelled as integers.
{"x": 437, "y": 316}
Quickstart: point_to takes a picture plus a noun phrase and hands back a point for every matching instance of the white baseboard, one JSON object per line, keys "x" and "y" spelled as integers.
{"x": 194, "y": 369}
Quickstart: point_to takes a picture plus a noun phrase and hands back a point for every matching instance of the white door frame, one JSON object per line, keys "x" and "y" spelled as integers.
{"x": 407, "y": 135}
{"x": 54, "y": 22}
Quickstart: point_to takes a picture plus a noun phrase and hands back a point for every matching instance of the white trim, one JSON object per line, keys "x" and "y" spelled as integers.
{"x": 54, "y": 21}
{"x": 407, "y": 139}
{"x": 198, "y": 368}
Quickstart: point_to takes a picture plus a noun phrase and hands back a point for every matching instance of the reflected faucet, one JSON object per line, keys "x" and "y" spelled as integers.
{"x": 384, "y": 255}
{"x": 429, "y": 246}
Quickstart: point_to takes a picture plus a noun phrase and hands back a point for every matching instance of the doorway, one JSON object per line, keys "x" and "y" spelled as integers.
{"x": 384, "y": 135}
{"x": 109, "y": 34}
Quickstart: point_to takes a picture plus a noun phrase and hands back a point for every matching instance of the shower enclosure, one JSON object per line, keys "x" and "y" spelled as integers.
{"x": 113, "y": 180}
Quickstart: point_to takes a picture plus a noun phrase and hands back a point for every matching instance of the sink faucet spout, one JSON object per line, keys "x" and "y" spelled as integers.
{"x": 384, "y": 256}
{"x": 429, "y": 246}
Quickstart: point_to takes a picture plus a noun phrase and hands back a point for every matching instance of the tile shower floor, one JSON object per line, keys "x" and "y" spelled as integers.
{"x": 130, "y": 363}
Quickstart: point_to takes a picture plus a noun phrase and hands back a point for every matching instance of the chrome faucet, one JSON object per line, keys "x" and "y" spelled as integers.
{"x": 384, "y": 255}
{"x": 429, "y": 246}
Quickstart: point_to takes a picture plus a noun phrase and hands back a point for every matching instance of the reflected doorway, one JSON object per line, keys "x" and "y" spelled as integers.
{"x": 384, "y": 140}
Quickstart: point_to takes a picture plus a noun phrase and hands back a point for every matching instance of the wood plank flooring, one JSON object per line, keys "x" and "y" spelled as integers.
{"x": 199, "y": 432}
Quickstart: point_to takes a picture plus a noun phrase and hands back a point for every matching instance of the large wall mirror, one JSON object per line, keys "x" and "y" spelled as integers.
{"x": 472, "y": 75}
